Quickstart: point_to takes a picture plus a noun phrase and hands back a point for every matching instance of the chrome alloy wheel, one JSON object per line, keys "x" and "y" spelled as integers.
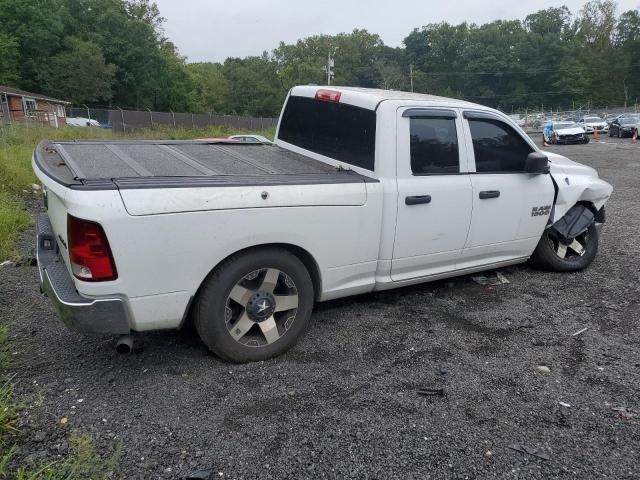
{"x": 261, "y": 307}
{"x": 577, "y": 247}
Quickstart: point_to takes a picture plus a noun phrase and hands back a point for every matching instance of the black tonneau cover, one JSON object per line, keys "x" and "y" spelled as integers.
{"x": 188, "y": 163}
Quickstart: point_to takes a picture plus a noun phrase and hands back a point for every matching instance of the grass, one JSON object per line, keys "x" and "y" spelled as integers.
{"x": 13, "y": 219}
{"x": 17, "y": 142}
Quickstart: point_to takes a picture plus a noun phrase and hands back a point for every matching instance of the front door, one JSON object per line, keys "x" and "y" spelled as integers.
{"x": 510, "y": 206}
{"x": 434, "y": 193}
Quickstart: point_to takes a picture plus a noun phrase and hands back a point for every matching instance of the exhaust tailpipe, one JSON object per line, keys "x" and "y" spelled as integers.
{"x": 125, "y": 344}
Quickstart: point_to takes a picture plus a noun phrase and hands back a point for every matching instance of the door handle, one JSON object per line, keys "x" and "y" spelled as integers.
{"x": 417, "y": 199}
{"x": 489, "y": 194}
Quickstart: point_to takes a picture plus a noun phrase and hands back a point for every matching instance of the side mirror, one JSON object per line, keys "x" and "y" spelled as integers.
{"x": 537, "y": 163}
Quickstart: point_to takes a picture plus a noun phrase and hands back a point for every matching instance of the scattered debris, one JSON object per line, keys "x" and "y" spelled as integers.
{"x": 535, "y": 451}
{"x": 525, "y": 324}
{"x": 490, "y": 280}
{"x": 580, "y": 331}
{"x": 565, "y": 405}
{"x": 625, "y": 413}
{"x": 63, "y": 422}
{"x": 488, "y": 453}
{"x": 200, "y": 475}
{"x": 8, "y": 263}
{"x": 543, "y": 369}
{"x": 27, "y": 261}
{"x": 36, "y": 187}
{"x": 427, "y": 392}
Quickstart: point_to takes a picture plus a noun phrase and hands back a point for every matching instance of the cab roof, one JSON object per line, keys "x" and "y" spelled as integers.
{"x": 370, "y": 97}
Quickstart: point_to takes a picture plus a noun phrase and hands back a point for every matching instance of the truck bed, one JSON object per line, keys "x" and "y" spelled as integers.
{"x": 125, "y": 164}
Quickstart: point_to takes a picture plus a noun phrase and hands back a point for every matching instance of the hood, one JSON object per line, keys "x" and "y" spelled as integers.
{"x": 562, "y": 166}
{"x": 569, "y": 131}
{"x": 596, "y": 124}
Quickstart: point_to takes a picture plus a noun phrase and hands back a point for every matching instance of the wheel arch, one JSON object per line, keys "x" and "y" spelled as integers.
{"x": 300, "y": 253}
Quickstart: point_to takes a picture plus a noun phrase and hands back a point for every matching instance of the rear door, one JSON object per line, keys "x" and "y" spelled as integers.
{"x": 434, "y": 193}
{"x": 510, "y": 206}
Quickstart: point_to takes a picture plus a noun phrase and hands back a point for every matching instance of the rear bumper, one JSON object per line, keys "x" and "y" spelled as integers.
{"x": 87, "y": 315}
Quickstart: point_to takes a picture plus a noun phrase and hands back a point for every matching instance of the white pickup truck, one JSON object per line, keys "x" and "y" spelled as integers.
{"x": 362, "y": 190}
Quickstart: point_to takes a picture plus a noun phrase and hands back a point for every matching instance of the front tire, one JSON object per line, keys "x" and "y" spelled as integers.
{"x": 255, "y": 305}
{"x": 557, "y": 256}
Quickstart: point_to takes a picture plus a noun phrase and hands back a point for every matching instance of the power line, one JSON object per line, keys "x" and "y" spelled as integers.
{"x": 520, "y": 72}
{"x": 529, "y": 94}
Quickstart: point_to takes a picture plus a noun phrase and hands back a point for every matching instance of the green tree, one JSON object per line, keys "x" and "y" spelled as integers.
{"x": 628, "y": 40}
{"x": 210, "y": 88}
{"x": 9, "y": 56}
{"x": 172, "y": 85}
{"x": 80, "y": 74}
{"x": 254, "y": 86}
{"x": 354, "y": 54}
{"x": 36, "y": 26}
{"x": 129, "y": 35}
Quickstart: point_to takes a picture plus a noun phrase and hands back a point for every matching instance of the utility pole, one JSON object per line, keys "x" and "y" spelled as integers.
{"x": 411, "y": 76}
{"x": 328, "y": 68}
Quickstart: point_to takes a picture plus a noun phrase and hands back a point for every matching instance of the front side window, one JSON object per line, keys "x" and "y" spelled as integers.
{"x": 434, "y": 146}
{"x": 337, "y": 130}
{"x": 498, "y": 148}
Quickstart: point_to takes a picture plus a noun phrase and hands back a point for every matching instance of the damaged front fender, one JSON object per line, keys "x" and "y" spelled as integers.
{"x": 576, "y": 184}
{"x": 575, "y": 222}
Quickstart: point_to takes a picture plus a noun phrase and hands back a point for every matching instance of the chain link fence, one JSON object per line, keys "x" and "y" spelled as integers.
{"x": 125, "y": 121}
{"x": 534, "y": 120}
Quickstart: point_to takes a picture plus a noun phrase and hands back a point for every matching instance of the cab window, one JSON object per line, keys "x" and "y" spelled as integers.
{"x": 498, "y": 148}
{"x": 434, "y": 146}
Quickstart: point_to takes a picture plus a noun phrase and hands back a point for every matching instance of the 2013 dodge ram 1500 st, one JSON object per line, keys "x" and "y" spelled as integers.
{"x": 363, "y": 190}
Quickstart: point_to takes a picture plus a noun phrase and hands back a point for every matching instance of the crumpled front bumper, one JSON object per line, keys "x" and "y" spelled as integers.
{"x": 87, "y": 315}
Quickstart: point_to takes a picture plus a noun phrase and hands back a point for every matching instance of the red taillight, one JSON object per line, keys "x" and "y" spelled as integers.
{"x": 324, "y": 95}
{"x": 89, "y": 251}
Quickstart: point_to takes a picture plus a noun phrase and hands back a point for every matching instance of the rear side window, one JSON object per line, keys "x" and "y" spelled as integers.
{"x": 497, "y": 146}
{"x": 336, "y": 130}
{"x": 434, "y": 146}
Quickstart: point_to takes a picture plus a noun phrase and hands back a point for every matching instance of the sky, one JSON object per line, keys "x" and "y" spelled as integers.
{"x": 211, "y": 30}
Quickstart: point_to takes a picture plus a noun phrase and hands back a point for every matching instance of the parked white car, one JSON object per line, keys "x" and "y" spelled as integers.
{"x": 567, "y": 132}
{"x": 82, "y": 122}
{"x": 250, "y": 138}
{"x": 592, "y": 124}
{"x": 363, "y": 190}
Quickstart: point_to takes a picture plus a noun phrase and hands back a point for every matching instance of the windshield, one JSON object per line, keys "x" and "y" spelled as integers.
{"x": 592, "y": 119}
{"x": 630, "y": 120}
{"x": 561, "y": 125}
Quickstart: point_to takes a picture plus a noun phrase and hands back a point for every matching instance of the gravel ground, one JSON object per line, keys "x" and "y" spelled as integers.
{"x": 343, "y": 402}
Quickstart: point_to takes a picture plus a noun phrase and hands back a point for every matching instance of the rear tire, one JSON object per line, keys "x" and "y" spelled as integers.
{"x": 554, "y": 255}
{"x": 255, "y": 305}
